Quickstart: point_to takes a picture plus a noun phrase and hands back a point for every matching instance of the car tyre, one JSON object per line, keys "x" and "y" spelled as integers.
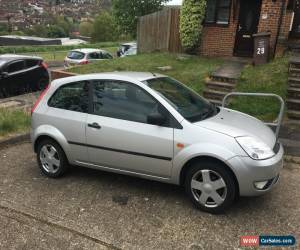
{"x": 210, "y": 186}
{"x": 52, "y": 159}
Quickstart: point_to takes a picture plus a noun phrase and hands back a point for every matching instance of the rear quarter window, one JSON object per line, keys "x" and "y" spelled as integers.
{"x": 72, "y": 96}
{"x": 31, "y": 63}
{"x": 75, "y": 55}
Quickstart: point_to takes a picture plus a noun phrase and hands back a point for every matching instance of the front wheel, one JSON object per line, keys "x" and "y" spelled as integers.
{"x": 210, "y": 186}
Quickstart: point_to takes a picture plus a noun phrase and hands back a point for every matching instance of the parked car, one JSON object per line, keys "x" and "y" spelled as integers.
{"x": 22, "y": 74}
{"x": 130, "y": 52}
{"x": 85, "y": 56}
{"x": 152, "y": 126}
{"x": 124, "y": 47}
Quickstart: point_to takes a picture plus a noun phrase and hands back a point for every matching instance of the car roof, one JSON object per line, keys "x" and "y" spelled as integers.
{"x": 12, "y": 57}
{"x": 129, "y": 44}
{"x": 88, "y": 50}
{"x": 122, "y": 75}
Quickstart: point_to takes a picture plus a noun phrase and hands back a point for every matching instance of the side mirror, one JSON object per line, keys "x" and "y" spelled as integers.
{"x": 156, "y": 119}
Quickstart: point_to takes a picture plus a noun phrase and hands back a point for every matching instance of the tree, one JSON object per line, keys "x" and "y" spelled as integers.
{"x": 37, "y": 30}
{"x": 104, "y": 28}
{"x": 64, "y": 23}
{"x": 55, "y": 31}
{"x": 126, "y": 13}
{"x": 191, "y": 16}
{"x": 86, "y": 29}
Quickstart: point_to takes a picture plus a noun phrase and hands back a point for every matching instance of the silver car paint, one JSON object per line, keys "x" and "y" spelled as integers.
{"x": 213, "y": 137}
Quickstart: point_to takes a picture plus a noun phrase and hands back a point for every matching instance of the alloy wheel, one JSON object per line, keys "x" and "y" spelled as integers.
{"x": 50, "y": 159}
{"x": 208, "y": 188}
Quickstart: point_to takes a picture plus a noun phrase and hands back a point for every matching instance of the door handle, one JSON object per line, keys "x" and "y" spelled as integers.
{"x": 94, "y": 125}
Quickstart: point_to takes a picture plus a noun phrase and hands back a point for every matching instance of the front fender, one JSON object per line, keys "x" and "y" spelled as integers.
{"x": 196, "y": 150}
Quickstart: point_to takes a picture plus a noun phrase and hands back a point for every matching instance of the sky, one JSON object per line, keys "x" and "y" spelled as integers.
{"x": 175, "y": 2}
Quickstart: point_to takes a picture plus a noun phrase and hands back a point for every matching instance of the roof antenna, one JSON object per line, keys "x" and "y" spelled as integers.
{"x": 153, "y": 74}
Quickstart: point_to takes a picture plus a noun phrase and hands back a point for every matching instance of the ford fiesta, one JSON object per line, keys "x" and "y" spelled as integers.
{"x": 152, "y": 126}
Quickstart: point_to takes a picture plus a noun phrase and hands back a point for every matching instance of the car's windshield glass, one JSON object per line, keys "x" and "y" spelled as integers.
{"x": 189, "y": 104}
{"x": 75, "y": 55}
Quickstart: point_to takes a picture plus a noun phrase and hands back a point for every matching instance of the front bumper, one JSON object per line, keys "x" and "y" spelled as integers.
{"x": 248, "y": 171}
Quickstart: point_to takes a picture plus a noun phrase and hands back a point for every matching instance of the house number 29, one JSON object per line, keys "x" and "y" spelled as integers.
{"x": 260, "y": 51}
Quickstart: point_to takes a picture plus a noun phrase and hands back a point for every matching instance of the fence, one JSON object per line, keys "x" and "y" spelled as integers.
{"x": 159, "y": 31}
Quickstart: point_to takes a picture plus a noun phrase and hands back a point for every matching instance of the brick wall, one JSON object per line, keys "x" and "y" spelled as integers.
{"x": 219, "y": 40}
{"x": 269, "y": 20}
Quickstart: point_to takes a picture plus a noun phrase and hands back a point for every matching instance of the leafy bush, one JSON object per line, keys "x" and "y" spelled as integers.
{"x": 56, "y": 31}
{"x": 191, "y": 16}
{"x": 86, "y": 29}
{"x": 104, "y": 28}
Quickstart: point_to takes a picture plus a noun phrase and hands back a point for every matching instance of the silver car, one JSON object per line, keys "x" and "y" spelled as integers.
{"x": 154, "y": 127}
{"x": 85, "y": 56}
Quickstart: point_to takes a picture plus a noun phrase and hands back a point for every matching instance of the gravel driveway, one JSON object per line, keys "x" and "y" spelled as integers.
{"x": 90, "y": 209}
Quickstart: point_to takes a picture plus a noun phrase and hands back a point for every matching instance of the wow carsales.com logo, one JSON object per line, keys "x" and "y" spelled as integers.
{"x": 256, "y": 241}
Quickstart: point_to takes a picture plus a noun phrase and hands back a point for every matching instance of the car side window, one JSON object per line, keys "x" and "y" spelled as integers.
{"x": 72, "y": 96}
{"x": 15, "y": 67}
{"x": 106, "y": 55}
{"x": 125, "y": 101}
{"x": 94, "y": 55}
{"x": 31, "y": 63}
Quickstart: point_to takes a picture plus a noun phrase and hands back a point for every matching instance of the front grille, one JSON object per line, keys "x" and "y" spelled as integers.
{"x": 276, "y": 147}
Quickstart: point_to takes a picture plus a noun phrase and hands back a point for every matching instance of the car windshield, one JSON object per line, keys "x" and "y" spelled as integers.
{"x": 188, "y": 103}
{"x": 131, "y": 51}
{"x": 75, "y": 55}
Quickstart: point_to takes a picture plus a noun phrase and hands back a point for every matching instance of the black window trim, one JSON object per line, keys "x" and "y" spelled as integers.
{"x": 215, "y": 22}
{"x": 174, "y": 123}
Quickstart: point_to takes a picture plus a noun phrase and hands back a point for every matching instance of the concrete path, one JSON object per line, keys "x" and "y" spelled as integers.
{"x": 89, "y": 209}
{"x": 230, "y": 69}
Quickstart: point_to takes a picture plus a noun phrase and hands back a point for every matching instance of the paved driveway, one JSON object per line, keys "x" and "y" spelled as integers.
{"x": 91, "y": 209}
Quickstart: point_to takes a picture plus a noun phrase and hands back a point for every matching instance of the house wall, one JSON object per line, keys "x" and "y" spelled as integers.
{"x": 220, "y": 41}
{"x": 269, "y": 20}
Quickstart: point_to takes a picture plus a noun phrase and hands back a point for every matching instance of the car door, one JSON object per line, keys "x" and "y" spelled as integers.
{"x": 67, "y": 112}
{"x": 93, "y": 57}
{"x": 118, "y": 134}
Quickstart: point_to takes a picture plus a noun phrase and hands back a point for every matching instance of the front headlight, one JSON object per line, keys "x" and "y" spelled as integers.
{"x": 255, "y": 148}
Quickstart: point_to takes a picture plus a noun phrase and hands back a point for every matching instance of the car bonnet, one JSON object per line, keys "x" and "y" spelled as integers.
{"x": 235, "y": 124}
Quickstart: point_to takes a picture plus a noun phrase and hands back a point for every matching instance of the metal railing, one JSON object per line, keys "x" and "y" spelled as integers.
{"x": 277, "y": 123}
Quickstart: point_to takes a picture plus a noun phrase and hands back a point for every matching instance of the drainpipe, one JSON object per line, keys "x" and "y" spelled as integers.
{"x": 279, "y": 25}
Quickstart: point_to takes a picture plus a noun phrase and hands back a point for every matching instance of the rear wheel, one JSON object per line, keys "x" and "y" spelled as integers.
{"x": 51, "y": 158}
{"x": 210, "y": 186}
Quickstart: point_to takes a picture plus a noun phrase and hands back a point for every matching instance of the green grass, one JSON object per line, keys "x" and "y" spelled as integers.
{"x": 268, "y": 78}
{"x": 42, "y": 48}
{"x": 60, "y": 55}
{"x": 13, "y": 121}
{"x": 191, "y": 70}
